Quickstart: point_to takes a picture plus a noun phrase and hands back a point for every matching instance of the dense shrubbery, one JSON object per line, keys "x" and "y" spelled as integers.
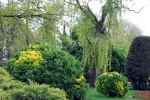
{"x": 11, "y": 89}
{"x": 138, "y": 62}
{"x": 118, "y": 60}
{"x": 112, "y": 84}
{"x": 52, "y": 66}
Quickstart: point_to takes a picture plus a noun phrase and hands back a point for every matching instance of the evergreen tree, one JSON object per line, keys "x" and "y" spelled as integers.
{"x": 138, "y": 62}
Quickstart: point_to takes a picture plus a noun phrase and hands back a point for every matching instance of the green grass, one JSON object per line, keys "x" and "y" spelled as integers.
{"x": 94, "y": 95}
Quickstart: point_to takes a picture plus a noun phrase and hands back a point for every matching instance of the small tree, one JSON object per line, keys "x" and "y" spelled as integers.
{"x": 138, "y": 62}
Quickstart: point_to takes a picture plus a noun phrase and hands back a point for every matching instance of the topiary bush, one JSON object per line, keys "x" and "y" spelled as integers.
{"x": 138, "y": 62}
{"x": 11, "y": 89}
{"x": 45, "y": 64}
{"x": 112, "y": 84}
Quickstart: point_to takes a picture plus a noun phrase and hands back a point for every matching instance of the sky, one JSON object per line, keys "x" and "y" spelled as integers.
{"x": 141, "y": 19}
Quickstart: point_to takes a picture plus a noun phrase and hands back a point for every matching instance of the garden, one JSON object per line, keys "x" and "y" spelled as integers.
{"x": 43, "y": 72}
{"x": 63, "y": 50}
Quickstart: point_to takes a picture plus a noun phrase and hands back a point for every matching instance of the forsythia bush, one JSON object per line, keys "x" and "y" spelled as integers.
{"x": 112, "y": 84}
{"x": 48, "y": 65}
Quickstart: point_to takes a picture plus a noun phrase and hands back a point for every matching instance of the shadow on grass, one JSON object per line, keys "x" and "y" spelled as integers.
{"x": 94, "y": 95}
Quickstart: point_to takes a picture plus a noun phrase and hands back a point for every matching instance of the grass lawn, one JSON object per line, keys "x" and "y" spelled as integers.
{"x": 94, "y": 95}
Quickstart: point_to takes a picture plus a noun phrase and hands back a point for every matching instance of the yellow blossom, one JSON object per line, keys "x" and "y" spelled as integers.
{"x": 120, "y": 87}
{"x": 105, "y": 73}
{"x": 116, "y": 73}
{"x": 78, "y": 80}
{"x": 77, "y": 86}
{"x": 81, "y": 77}
{"x": 30, "y": 57}
{"x": 110, "y": 75}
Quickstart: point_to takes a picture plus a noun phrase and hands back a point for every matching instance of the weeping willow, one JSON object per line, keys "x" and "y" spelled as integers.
{"x": 97, "y": 45}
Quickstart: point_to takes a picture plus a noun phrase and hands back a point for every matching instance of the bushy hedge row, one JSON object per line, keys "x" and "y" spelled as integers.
{"x": 112, "y": 84}
{"x": 48, "y": 65}
{"x": 11, "y": 89}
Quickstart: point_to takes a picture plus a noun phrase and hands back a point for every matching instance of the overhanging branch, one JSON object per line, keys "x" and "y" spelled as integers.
{"x": 32, "y": 15}
{"x": 126, "y": 7}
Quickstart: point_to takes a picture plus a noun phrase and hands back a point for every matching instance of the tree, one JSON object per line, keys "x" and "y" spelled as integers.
{"x": 93, "y": 32}
{"x": 138, "y": 62}
{"x": 131, "y": 30}
{"x": 22, "y": 20}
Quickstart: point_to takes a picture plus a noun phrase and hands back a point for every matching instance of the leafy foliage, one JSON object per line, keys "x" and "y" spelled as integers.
{"x": 118, "y": 60}
{"x": 138, "y": 62}
{"x": 112, "y": 84}
{"x": 58, "y": 68}
{"x": 11, "y": 89}
{"x": 28, "y": 21}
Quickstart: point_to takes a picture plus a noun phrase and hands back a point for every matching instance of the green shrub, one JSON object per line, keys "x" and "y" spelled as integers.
{"x": 52, "y": 66}
{"x": 138, "y": 62}
{"x": 112, "y": 84}
{"x": 11, "y": 89}
{"x": 4, "y": 75}
{"x": 118, "y": 60}
{"x": 33, "y": 92}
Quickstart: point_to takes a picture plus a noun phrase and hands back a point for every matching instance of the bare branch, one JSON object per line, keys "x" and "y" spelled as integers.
{"x": 37, "y": 6}
{"x": 86, "y": 9}
{"x": 32, "y": 16}
{"x": 126, "y": 7}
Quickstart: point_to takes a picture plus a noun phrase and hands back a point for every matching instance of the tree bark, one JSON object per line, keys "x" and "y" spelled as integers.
{"x": 92, "y": 76}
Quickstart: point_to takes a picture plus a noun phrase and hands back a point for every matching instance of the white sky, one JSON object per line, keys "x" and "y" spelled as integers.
{"x": 141, "y": 19}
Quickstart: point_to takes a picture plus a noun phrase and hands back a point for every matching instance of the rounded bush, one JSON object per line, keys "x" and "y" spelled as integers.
{"x": 50, "y": 66}
{"x": 112, "y": 84}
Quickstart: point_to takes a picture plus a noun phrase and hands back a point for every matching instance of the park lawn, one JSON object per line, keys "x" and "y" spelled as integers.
{"x": 94, "y": 95}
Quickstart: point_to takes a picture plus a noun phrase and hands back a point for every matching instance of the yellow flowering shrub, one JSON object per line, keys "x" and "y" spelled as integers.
{"x": 78, "y": 81}
{"x": 112, "y": 84}
{"x": 49, "y": 65}
{"x": 120, "y": 87}
{"x": 32, "y": 57}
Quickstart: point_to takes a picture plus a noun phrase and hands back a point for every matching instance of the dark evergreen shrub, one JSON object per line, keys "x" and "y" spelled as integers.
{"x": 138, "y": 62}
{"x": 48, "y": 65}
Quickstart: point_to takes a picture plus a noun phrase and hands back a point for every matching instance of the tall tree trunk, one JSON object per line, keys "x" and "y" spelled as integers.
{"x": 27, "y": 34}
{"x": 92, "y": 76}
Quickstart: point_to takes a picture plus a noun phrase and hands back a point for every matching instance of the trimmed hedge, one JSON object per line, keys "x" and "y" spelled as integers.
{"x": 138, "y": 62}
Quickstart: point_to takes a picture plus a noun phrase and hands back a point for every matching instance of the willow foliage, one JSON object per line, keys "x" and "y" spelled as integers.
{"x": 97, "y": 46}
